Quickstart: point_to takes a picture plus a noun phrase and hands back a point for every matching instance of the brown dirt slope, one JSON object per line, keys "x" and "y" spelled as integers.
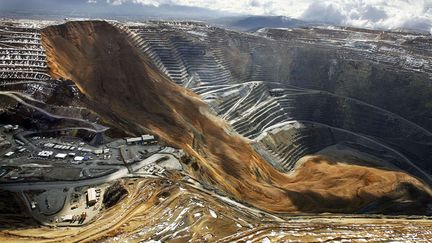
{"x": 123, "y": 86}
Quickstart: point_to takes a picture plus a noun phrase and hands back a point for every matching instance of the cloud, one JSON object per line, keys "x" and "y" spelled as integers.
{"x": 116, "y": 2}
{"x": 383, "y": 14}
{"x": 327, "y": 13}
{"x": 373, "y": 14}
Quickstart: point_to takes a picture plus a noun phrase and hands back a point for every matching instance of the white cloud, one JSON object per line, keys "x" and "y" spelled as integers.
{"x": 328, "y": 13}
{"x": 116, "y": 2}
{"x": 373, "y": 13}
{"x": 387, "y": 14}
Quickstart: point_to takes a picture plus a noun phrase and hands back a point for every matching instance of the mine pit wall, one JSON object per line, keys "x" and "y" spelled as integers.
{"x": 21, "y": 48}
{"x": 288, "y": 143}
{"x": 346, "y": 72}
{"x": 323, "y": 108}
{"x": 179, "y": 118}
{"x": 354, "y": 116}
{"x": 281, "y": 64}
{"x": 184, "y": 57}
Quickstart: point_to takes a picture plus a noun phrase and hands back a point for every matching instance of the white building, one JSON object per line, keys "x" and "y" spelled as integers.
{"x": 49, "y": 145}
{"x": 60, "y": 156}
{"x": 86, "y": 150}
{"x": 9, "y": 154}
{"x": 67, "y": 217}
{"x": 101, "y": 151}
{"x": 9, "y": 127}
{"x": 133, "y": 140}
{"x": 98, "y": 151}
{"x": 45, "y": 154}
{"x": 148, "y": 139}
{"x": 91, "y": 196}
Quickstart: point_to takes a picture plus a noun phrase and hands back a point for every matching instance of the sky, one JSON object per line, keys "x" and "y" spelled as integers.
{"x": 382, "y": 14}
{"x": 376, "y": 14}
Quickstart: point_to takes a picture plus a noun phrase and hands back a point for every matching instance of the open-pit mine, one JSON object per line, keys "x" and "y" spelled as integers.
{"x": 181, "y": 131}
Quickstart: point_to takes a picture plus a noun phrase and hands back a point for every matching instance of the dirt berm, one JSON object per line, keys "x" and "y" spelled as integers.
{"x": 122, "y": 84}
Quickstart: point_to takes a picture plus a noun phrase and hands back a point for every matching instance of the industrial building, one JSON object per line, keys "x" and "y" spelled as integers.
{"x": 60, "y": 156}
{"x": 9, "y": 128}
{"x": 145, "y": 139}
{"x": 91, "y": 196}
{"x": 45, "y": 154}
{"x": 133, "y": 140}
{"x": 148, "y": 139}
{"x": 101, "y": 151}
{"x": 9, "y": 154}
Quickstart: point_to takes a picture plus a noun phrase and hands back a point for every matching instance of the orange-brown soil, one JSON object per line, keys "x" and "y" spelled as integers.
{"x": 123, "y": 86}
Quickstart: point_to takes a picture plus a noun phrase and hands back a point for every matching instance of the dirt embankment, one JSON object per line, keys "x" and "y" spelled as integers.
{"x": 122, "y": 85}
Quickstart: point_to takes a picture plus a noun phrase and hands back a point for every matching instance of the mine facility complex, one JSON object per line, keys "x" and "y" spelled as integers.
{"x": 62, "y": 178}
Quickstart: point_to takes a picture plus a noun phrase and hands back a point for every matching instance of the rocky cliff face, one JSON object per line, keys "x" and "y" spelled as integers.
{"x": 355, "y": 63}
{"x": 124, "y": 86}
{"x": 369, "y": 82}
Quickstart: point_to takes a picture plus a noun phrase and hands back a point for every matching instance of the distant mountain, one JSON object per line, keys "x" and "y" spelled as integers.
{"x": 253, "y": 23}
{"x": 58, "y": 9}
